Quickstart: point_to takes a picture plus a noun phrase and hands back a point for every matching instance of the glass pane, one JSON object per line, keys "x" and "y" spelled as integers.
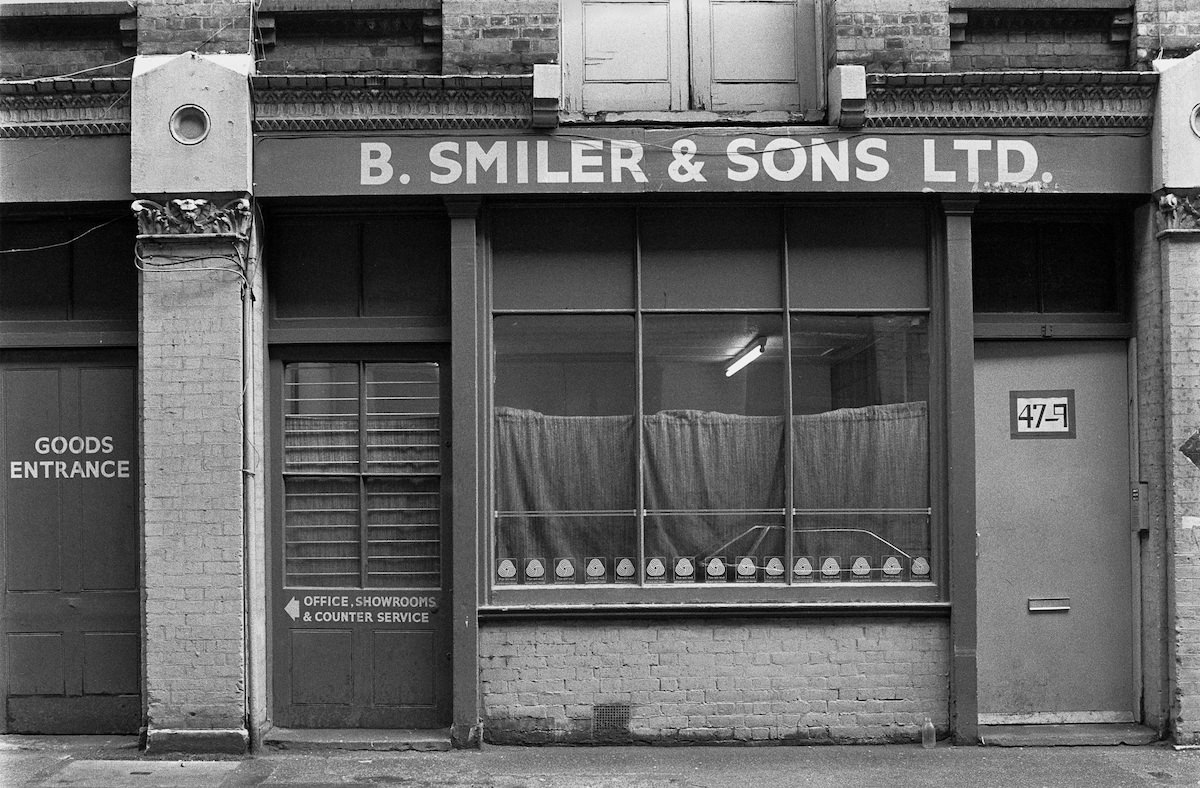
{"x": 404, "y": 532}
{"x": 860, "y": 425}
{"x": 858, "y": 259}
{"x": 403, "y": 425}
{"x": 321, "y": 532}
{"x": 314, "y": 267}
{"x": 406, "y": 266}
{"x": 1080, "y": 271}
{"x": 36, "y": 285}
{"x": 105, "y": 285}
{"x": 713, "y": 433}
{"x": 695, "y": 547}
{"x": 565, "y": 446}
{"x": 861, "y": 547}
{"x": 320, "y": 433}
{"x": 711, "y": 258}
{"x": 1004, "y": 267}
{"x": 549, "y": 257}
{"x": 565, "y": 548}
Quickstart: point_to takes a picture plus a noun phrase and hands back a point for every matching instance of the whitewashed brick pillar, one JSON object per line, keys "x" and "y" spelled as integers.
{"x": 193, "y": 372}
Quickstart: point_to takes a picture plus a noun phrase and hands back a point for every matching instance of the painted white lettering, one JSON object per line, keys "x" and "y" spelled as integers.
{"x": 748, "y": 164}
{"x": 799, "y": 159}
{"x": 522, "y": 161}
{"x": 58, "y": 445}
{"x": 973, "y": 149}
{"x": 823, "y": 157}
{"x": 14, "y": 469}
{"x": 544, "y": 173}
{"x": 122, "y": 469}
{"x": 1029, "y": 161}
{"x": 932, "y": 173}
{"x": 878, "y": 164}
{"x": 586, "y": 157}
{"x": 441, "y": 157}
{"x": 42, "y": 445}
{"x": 374, "y": 166}
{"x": 627, "y": 157}
{"x": 480, "y": 160}
{"x": 106, "y": 444}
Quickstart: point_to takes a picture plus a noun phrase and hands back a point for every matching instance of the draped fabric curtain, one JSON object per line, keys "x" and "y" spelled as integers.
{"x": 713, "y": 482}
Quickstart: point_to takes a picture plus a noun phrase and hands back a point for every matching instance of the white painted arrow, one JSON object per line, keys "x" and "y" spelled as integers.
{"x": 292, "y": 608}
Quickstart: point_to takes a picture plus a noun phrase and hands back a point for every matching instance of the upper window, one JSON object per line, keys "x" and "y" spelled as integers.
{"x": 68, "y": 269}
{"x": 673, "y": 55}
{"x": 1049, "y": 265}
{"x": 686, "y": 420}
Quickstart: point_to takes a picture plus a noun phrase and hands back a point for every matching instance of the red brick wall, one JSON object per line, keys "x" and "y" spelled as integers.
{"x": 31, "y": 48}
{"x": 171, "y": 27}
{"x": 891, "y": 35}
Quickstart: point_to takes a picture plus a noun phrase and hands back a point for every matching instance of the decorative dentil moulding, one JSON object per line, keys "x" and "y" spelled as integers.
{"x": 1179, "y": 212}
{"x": 193, "y": 217}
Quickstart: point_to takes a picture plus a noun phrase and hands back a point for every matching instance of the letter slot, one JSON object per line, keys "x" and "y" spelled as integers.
{"x": 1050, "y": 605}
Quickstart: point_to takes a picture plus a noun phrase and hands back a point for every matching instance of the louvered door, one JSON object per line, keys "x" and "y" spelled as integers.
{"x": 360, "y": 639}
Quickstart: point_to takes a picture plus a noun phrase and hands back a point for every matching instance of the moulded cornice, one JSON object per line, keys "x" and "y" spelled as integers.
{"x": 1021, "y": 99}
{"x": 64, "y": 108}
{"x": 357, "y": 103}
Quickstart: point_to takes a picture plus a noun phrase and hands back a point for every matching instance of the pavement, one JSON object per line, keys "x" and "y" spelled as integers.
{"x": 116, "y": 762}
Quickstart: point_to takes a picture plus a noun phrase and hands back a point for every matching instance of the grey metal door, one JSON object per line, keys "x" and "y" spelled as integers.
{"x": 360, "y": 603}
{"x": 1054, "y": 553}
{"x": 71, "y": 642}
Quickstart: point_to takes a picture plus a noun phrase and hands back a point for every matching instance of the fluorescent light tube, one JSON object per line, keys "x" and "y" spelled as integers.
{"x": 751, "y": 352}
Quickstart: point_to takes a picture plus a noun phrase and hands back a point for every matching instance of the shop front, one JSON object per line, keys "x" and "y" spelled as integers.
{"x": 645, "y": 435}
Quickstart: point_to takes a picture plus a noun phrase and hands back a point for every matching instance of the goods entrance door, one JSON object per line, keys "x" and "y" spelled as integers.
{"x": 361, "y": 591}
{"x": 1054, "y": 519}
{"x": 71, "y": 644}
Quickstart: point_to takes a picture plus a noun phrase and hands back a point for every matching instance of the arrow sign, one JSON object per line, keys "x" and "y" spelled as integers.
{"x": 292, "y": 608}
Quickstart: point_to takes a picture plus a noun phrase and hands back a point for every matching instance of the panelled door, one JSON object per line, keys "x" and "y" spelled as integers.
{"x": 360, "y": 603}
{"x": 1054, "y": 519}
{"x": 71, "y": 642}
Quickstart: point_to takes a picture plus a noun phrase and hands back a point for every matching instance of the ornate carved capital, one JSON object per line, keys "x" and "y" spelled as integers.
{"x": 193, "y": 217}
{"x": 1179, "y": 212}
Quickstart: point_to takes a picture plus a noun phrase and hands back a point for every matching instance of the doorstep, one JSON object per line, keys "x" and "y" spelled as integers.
{"x": 1075, "y": 735}
{"x": 357, "y": 739}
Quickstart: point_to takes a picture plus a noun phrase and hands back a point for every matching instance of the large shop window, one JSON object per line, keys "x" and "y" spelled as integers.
{"x": 710, "y": 397}
{"x": 362, "y": 475}
{"x": 671, "y": 55}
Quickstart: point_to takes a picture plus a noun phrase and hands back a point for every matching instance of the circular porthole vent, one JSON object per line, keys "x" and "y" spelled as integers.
{"x": 190, "y": 124}
{"x": 1194, "y": 120}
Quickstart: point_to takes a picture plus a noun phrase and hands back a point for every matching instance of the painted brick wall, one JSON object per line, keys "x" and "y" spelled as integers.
{"x": 1180, "y": 256}
{"x": 192, "y": 503}
{"x": 768, "y": 680}
{"x": 498, "y": 36}
{"x": 891, "y": 35}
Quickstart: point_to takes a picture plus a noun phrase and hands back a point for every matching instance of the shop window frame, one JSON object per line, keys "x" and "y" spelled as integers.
{"x": 610, "y": 599}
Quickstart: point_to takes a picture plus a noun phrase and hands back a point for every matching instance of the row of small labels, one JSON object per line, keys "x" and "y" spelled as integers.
{"x": 713, "y": 569}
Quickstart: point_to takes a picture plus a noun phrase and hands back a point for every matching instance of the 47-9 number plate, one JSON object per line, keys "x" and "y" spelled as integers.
{"x": 1042, "y": 414}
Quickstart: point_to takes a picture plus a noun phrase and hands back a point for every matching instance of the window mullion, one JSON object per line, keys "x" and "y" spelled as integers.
{"x": 789, "y": 502}
{"x": 639, "y": 407}
{"x": 362, "y": 477}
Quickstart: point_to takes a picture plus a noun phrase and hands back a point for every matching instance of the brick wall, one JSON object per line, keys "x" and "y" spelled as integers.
{"x": 891, "y": 35}
{"x": 1060, "y": 40}
{"x": 1180, "y": 256}
{"x": 498, "y": 36}
{"x": 192, "y": 498}
{"x": 31, "y": 47}
{"x": 785, "y": 680}
{"x": 1170, "y": 27}
{"x": 368, "y": 42}
{"x": 171, "y": 27}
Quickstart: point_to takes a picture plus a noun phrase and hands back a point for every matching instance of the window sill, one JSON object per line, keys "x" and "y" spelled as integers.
{"x": 936, "y": 609}
{"x": 694, "y": 117}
